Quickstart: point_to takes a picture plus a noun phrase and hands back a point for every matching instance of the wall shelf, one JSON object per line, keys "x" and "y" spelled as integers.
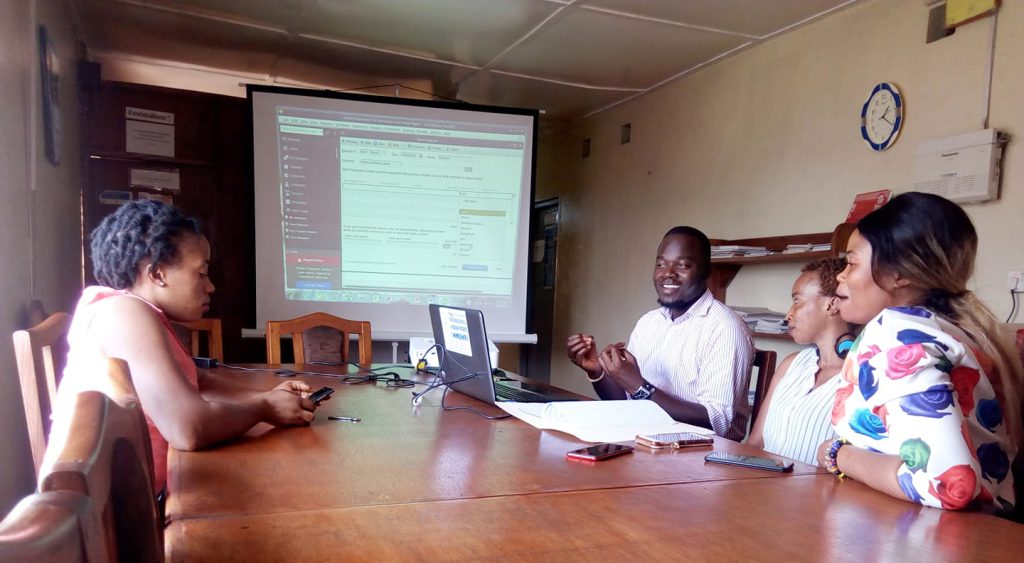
{"x": 772, "y": 335}
{"x": 724, "y": 270}
{"x": 148, "y": 159}
{"x": 774, "y": 258}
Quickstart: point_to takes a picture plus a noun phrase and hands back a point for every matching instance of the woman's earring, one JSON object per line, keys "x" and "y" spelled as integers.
{"x": 162, "y": 283}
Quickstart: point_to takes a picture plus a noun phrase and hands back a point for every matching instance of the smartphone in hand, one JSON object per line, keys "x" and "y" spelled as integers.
{"x": 599, "y": 452}
{"x": 316, "y": 397}
{"x": 751, "y": 461}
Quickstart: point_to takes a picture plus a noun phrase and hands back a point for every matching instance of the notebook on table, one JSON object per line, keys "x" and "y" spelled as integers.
{"x": 466, "y": 363}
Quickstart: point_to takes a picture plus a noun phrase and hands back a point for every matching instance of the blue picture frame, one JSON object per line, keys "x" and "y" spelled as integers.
{"x": 49, "y": 73}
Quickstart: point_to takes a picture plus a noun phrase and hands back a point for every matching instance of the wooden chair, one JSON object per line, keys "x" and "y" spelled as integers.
{"x": 52, "y": 526}
{"x": 41, "y": 352}
{"x": 121, "y": 387}
{"x": 214, "y": 340}
{"x": 764, "y": 361}
{"x": 310, "y": 342}
{"x": 101, "y": 449}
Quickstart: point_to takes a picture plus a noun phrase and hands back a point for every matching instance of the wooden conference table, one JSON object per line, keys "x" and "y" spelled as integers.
{"x": 418, "y": 483}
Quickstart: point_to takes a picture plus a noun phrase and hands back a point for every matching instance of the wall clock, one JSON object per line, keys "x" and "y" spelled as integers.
{"x": 881, "y": 117}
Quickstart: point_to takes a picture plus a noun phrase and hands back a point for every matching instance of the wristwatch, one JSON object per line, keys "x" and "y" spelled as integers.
{"x": 643, "y": 392}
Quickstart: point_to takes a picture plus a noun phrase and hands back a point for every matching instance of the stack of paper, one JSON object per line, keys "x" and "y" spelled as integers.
{"x": 793, "y": 248}
{"x": 600, "y": 421}
{"x": 759, "y": 319}
{"x": 809, "y": 247}
{"x": 728, "y": 250}
{"x": 771, "y": 326}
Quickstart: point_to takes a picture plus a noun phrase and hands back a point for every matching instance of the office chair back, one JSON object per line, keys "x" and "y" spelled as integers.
{"x": 320, "y": 337}
{"x": 41, "y": 352}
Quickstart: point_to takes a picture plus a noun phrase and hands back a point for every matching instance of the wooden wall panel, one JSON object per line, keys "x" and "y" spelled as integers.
{"x": 213, "y": 158}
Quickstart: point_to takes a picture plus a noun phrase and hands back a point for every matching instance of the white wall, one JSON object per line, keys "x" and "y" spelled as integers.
{"x": 40, "y": 225}
{"x": 767, "y": 143}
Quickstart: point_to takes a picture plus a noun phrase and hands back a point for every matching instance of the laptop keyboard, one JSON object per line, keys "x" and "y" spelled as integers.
{"x": 519, "y": 395}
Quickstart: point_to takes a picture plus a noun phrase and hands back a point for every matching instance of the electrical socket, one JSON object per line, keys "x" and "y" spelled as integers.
{"x": 1015, "y": 281}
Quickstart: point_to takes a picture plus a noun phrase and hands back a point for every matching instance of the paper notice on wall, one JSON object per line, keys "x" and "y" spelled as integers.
{"x": 149, "y": 131}
{"x": 959, "y": 12}
{"x": 149, "y": 138}
{"x": 167, "y": 180}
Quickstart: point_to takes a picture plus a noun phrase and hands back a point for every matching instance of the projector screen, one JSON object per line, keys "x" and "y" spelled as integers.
{"x": 371, "y": 208}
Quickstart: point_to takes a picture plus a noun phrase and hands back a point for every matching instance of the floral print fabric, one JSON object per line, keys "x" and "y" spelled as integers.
{"x": 915, "y": 385}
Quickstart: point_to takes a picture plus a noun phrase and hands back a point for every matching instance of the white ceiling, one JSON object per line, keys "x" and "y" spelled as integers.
{"x": 570, "y": 58}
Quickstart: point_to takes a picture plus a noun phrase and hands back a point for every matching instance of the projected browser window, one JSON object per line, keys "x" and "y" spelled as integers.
{"x": 412, "y": 210}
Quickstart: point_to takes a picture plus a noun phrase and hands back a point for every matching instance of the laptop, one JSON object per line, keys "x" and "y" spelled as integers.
{"x": 466, "y": 363}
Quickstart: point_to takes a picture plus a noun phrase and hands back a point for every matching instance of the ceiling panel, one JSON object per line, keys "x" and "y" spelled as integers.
{"x": 272, "y": 13}
{"x": 559, "y": 102}
{"x": 600, "y": 49}
{"x": 140, "y": 31}
{"x": 465, "y": 31}
{"x": 570, "y": 57}
{"x": 754, "y": 17}
{"x": 344, "y": 67}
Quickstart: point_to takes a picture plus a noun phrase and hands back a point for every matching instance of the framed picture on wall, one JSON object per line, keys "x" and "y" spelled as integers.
{"x": 49, "y": 72}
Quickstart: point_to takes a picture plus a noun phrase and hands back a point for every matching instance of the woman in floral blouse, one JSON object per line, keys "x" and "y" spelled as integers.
{"x": 928, "y": 410}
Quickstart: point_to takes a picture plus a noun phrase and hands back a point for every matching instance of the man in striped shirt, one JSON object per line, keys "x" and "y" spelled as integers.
{"x": 692, "y": 355}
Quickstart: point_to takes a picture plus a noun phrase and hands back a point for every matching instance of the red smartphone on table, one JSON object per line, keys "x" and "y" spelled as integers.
{"x": 599, "y": 452}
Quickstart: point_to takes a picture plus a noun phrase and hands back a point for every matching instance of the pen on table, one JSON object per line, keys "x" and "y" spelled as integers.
{"x": 344, "y": 418}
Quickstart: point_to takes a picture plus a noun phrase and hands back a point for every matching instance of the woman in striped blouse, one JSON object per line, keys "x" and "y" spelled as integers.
{"x": 798, "y": 405}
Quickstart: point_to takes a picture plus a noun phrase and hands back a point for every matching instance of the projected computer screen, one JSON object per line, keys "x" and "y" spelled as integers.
{"x": 372, "y": 208}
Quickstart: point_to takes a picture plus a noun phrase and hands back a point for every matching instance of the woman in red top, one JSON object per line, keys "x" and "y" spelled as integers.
{"x": 152, "y": 263}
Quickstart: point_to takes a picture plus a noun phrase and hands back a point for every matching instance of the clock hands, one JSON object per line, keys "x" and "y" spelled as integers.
{"x": 885, "y": 116}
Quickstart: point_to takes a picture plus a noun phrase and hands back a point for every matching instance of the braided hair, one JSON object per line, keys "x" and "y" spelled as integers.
{"x": 142, "y": 231}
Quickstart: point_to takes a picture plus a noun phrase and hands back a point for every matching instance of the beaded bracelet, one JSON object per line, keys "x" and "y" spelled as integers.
{"x": 830, "y": 456}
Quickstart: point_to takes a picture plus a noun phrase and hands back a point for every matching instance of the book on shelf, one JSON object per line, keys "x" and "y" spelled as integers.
{"x": 867, "y": 202}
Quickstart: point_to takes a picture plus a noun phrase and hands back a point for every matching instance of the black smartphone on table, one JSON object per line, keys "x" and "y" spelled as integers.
{"x": 750, "y": 461}
{"x": 599, "y": 452}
